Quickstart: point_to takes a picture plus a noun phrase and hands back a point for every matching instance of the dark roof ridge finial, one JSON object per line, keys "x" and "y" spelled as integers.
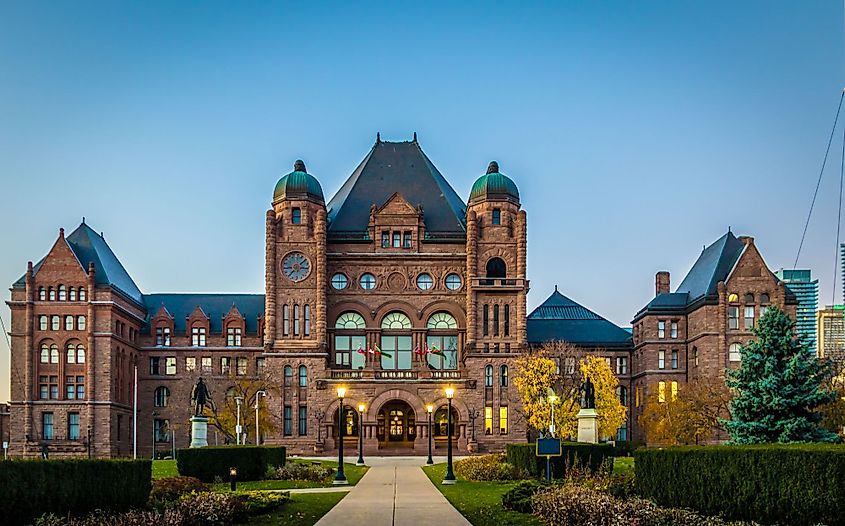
{"x": 415, "y": 136}
{"x": 83, "y": 220}
{"x": 729, "y": 228}
{"x": 299, "y": 166}
{"x": 555, "y": 288}
{"x": 493, "y": 167}
{"x": 61, "y": 232}
{"x": 378, "y": 137}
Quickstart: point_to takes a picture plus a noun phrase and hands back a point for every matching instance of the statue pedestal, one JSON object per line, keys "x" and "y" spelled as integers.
{"x": 588, "y": 426}
{"x": 199, "y": 431}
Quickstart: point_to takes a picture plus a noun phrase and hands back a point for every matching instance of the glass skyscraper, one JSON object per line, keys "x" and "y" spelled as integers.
{"x": 806, "y": 289}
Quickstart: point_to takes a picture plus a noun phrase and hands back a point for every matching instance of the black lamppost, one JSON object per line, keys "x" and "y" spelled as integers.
{"x": 450, "y": 475}
{"x": 361, "y": 409}
{"x": 428, "y": 409}
{"x": 340, "y": 476}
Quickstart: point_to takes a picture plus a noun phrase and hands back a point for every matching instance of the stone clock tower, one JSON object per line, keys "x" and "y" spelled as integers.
{"x": 296, "y": 266}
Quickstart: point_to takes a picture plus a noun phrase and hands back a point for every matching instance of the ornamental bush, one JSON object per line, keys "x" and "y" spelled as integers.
{"x": 169, "y": 489}
{"x": 206, "y": 463}
{"x": 591, "y": 456}
{"x": 33, "y": 487}
{"x": 487, "y": 467}
{"x": 518, "y": 498}
{"x": 258, "y": 502}
{"x": 300, "y": 471}
{"x": 795, "y": 484}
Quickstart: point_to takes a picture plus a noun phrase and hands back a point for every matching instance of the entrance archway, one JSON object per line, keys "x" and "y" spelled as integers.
{"x": 396, "y": 425}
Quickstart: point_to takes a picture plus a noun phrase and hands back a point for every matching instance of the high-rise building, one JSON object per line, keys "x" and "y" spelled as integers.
{"x": 831, "y": 334}
{"x": 806, "y": 289}
{"x": 841, "y": 269}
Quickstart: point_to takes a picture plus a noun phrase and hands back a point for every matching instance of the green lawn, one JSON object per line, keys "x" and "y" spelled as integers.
{"x": 303, "y": 509}
{"x": 479, "y": 502}
{"x": 353, "y": 475}
{"x": 164, "y": 468}
{"x": 623, "y": 465}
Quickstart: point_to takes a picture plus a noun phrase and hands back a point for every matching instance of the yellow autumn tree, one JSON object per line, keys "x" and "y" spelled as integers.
{"x": 555, "y": 369}
{"x": 612, "y": 414}
{"x": 223, "y": 414}
{"x": 692, "y": 416}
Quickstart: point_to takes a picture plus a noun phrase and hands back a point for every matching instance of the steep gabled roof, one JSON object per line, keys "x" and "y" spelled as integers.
{"x": 216, "y": 306}
{"x": 712, "y": 266}
{"x": 392, "y": 167}
{"x": 89, "y": 246}
{"x": 560, "y": 318}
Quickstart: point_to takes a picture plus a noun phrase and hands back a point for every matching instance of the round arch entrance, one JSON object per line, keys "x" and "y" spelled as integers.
{"x": 396, "y": 425}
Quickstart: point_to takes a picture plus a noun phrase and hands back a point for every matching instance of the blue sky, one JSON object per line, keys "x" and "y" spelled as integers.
{"x": 636, "y": 131}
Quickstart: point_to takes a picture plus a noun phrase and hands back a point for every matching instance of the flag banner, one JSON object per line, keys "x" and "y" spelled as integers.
{"x": 379, "y": 352}
{"x": 361, "y": 351}
{"x": 435, "y": 350}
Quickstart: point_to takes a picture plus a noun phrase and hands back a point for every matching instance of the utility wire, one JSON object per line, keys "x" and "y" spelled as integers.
{"x": 839, "y": 218}
{"x": 819, "y": 182}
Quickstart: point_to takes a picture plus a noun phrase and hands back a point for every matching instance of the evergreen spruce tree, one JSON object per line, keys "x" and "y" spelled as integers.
{"x": 778, "y": 387}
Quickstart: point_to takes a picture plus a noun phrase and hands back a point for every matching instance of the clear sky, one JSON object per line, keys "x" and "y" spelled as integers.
{"x": 637, "y": 132}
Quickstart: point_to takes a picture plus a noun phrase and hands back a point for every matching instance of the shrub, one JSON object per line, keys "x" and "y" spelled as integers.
{"x": 519, "y": 497}
{"x": 170, "y": 489}
{"x": 258, "y": 502}
{"x": 796, "y": 484}
{"x": 299, "y": 471}
{"x": 487, "y": 467}
{"x": 211, "y": 509}
{"x": 76, "y": 487}
{"x": 626, "y": 448}
{"x": 206, "y": 463}
{"x": 574, "y": 453}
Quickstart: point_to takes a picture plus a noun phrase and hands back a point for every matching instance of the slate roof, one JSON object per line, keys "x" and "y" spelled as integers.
{"x": 560, "y": 318}
{"x": 392, "y": 167}
{"x": 215, "y": 306}
{"x": 87, "y": 245}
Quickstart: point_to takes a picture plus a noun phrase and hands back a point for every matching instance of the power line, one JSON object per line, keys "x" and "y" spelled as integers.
{"x": 839, "y": 219}
{"x": 819, "y": 182}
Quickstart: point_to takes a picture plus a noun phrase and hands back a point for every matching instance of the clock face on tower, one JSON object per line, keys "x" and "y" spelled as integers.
{"x": 296, "y": 266}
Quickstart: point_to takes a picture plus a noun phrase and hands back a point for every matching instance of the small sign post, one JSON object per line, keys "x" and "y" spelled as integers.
{"x": 5, "y": 450}
{"x": 549, "y": 447}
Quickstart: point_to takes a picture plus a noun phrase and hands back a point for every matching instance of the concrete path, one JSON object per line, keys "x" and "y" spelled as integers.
{"x": 394, "y": 492}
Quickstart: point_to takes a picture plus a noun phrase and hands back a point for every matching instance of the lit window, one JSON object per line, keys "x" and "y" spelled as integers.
{"x": 488, "y": 420}
{"x": 296, "y": 216}
{"x": 497, "y": 216}
{"x": 205, "y": 364}
{"x": 225, "y": 365}
{"x": 503, "y": 420}
{"x": 339, "y": 281}
{"x": 233, "y": 337}
{"x": 733, "y": 298}
{"x": 569, "y": 365}
{"x": 621, "y": 365}
{"x": 424, "y": 281}
{"x": 733, "y": 317}
{"x": 674, "y": 390}
{"x": 661, "y": 329}
{"x": 661, "y": 392}
{"x": 406, "y": 240}
{"x": 54, "y": 353}
{"x": 749, "y": 317}
{"x": 80, "y": 354}
{"x": 68, "y": 323}
{"x": 673, "y": 329}
{"x": 170, "y": 365}
{"x": 55, "y": 322}
{"x": 45, "y": 353}
{"x": 71, "y": 353}
{"x": 367, "y": 281}
{"x": 42, "y": 323}
{"x": 661, "y": 359}
{"x": 674, "y": 359}
{"x": 80, "y": 323}
{"x": 162, "y": 394}
{"x": 453, "y": 282}
{"x": 733, "y": 353}
{"x": 241, "y": 366}
{"x": 190, "y": 363}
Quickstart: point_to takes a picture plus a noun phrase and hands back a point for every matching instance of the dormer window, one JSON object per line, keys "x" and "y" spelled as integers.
{"x": 163, "y": 336}
{"x": 198, "y": 336}
{"x": 296, "y": 216}
{"x": 233, "y": 337}
{"x": 497, "y": 216}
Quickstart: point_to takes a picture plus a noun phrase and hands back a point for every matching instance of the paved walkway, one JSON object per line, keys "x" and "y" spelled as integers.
{"x": 394, "y": 492}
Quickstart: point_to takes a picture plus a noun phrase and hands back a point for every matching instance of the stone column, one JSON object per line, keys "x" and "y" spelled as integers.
{"x": 270, "y": 278}
{"x": 320, "y": 276}
{"x": 521, "y": 308}
{"x": 471, "y": 266}
{"x": 29, "y": 362}
{"x": 91, "y": 361}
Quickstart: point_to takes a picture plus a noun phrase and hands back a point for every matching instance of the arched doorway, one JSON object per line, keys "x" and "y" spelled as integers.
{"x": 396, "y": 425}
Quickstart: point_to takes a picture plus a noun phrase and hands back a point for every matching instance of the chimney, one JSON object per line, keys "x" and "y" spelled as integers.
{"x": 661, "y": 283}
{"x": 747, "y": 240}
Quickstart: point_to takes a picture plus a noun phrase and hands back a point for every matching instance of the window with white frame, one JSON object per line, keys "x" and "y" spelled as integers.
{"x": 734, "y": 354}
{"x": 661, "y": 359}
{"x": 661, "y": 329}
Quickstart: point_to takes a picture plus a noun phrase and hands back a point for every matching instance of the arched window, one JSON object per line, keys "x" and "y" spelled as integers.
{"x": 296, "y": 320}
{"x": 441, "y": 421}
{"x": 307, "y": 314}
{"x": 507, "y": 320}
{"x": 54, "y": 353}
{"x": 285, "y": 320}
{"x": 81, "y": 293}
{"x": 622, "y": 394}
{"x": 396, "y": 320}
{"x": 695, "y": 356}
{"x": 45, "y": 353}
{"x": 733, "y": 298}
{"x": 71, "y": 353}
{"x": 496, "y": 268}
{"x": 72, "y": 294}
{"x": 80, "y": 353}
{"x": 749, "y": 298}
{"x": 734, "y": 354}
{"x": 503, "y": 376}
{"x": 488, "y": 376}
{"x": 42, "y": 294}
{"x": 303, "y": 376}
{"x": 764, "y": 299}
{"x": 288, "y": 376}
{"x": 350, "y": 421}
{"x": 62, "y": 293}
{"x": 162, "y": 394}
{"x": 350, "y": 320}
{"x": 52, "y": 293}
{"x": 442, "y": 320}
{"x": 68, "y": 323}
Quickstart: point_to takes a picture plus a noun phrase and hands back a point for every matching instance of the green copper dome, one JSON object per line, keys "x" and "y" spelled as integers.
{"x": 298, "y": 184}
{"x": 494, "y": 185}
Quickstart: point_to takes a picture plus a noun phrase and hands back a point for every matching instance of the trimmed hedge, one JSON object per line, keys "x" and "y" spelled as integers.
{"x": 76, "y": 487}
{"x": 206, "y": 463}
{"x": 793, "y": 484}
{"x": 591, "y": 456}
